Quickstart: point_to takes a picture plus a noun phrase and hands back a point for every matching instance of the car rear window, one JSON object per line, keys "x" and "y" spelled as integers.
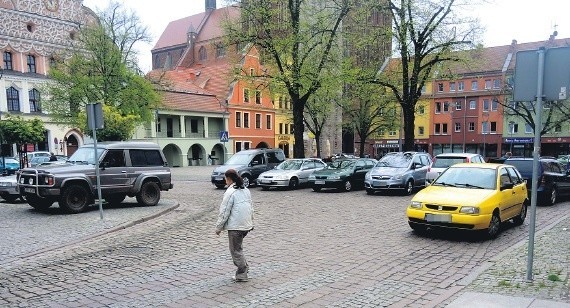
{"x": 523, "y": 166}
{"x": 142, "y": 158}
{"x": 444, "y": 162}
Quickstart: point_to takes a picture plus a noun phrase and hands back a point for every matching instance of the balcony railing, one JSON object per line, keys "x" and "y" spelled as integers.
{"x": 199, "y": 134}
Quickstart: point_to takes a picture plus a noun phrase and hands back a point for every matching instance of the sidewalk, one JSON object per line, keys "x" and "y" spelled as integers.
{"x": 505, "y": 275}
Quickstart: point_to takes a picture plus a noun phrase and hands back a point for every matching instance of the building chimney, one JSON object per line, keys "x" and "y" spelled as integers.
{"x": 210, "y": 5}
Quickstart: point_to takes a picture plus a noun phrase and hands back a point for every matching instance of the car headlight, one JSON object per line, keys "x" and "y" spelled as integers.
{"x": 368, "y": 176}
{"x": 282, "y": 177}
{"x": 311, "y": 177}
{"x": 416, "y": 205}
{"x": 334, "y": 177}
{"x": 469, "y": 210}
{"x": 397, "y": 177}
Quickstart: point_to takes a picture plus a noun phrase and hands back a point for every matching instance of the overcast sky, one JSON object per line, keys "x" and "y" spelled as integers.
{"x": 505, "y": 20}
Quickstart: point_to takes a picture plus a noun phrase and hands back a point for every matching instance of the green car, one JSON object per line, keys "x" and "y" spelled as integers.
{"x": 342, "y": 174}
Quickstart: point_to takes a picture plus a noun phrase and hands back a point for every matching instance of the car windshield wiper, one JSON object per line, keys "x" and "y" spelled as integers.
{"x": 444, "y": 184}
{"x": 470, "y": 185}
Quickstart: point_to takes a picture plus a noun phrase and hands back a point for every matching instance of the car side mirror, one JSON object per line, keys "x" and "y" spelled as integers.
{"x": 507, "y": 186}
{"x": 104, "y": 165}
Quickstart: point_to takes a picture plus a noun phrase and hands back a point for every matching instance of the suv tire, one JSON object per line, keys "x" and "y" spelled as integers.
{"x": 149, "y": 195}
{"x": 38, "y": 203}
{"x": 115, "y": 199}
{"x": 75, "y": 199}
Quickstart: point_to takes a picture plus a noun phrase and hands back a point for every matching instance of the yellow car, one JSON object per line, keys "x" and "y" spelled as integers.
{"x": 471, "y": 197}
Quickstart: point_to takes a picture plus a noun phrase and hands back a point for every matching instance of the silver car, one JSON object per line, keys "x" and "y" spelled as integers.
{"x": 290, "y": 173}
{"x": 400, "y": 171}
{"x": 9, "y": 188}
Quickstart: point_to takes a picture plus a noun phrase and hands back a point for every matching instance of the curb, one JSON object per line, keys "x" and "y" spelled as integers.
{"x": 97, "y": 234}
{"x": 464, "y": 282}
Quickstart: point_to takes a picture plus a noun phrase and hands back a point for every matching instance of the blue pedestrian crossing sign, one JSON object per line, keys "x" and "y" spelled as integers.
{"x": 224, "y": 136}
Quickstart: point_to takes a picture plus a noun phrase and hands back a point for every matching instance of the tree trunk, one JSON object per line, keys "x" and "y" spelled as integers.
{"x": 318, "y": 140}
{"x": 299, "y": 127}
{"x": 409, "y": 133}
{"x": 361, "y": 147}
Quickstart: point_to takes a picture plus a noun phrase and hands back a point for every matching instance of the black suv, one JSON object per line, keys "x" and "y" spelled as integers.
{"x": 249, "y": 164}
{"x": 553, "y": 178}
{"x": 134, "y": 169}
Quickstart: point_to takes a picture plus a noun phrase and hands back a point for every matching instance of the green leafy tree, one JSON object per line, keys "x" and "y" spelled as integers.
{"x": 368, "y": 111}
{"x": 297, "y": 39}
{"x": 16, "y": 130}
{"x": 426, "y": 34}
{"x": 317, "y": 111}
{"x": 117, "y": 127}
{"x": 102, "y": 70}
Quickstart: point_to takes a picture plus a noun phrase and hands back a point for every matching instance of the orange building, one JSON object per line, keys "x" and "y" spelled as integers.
{"x": 252, "y": 115}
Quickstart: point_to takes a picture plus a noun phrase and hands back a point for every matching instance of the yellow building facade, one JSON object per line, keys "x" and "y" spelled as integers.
{"x": 284, "y": 138}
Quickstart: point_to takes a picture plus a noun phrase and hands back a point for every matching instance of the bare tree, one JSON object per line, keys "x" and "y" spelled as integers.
{"x": 125, "y": 29}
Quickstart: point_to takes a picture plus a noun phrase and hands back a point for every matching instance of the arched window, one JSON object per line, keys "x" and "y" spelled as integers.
{"x": 220, "y": 51}
{"x": 13, "y": 99}
{"x": 202, "y": 54}
{"x": 35, "y": 100}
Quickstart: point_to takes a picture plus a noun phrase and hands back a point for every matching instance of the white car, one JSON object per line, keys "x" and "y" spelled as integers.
{"x": 445, "y": 160}
{"x": 9, "y": 188}
{"x": 290, "y": 173}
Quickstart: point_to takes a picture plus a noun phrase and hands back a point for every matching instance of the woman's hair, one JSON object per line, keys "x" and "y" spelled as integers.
{"x": 234, "y": 176}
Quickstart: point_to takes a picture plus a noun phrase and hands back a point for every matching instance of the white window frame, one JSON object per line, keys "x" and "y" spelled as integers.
{"x": 239, "y": 119}
{"x": 246, "y": 115}
{"x": 260, "y": 121}
{"x": 461, "y": 86}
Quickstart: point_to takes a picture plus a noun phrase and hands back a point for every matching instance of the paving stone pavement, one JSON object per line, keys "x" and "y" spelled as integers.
{"x": 308, "y": 249}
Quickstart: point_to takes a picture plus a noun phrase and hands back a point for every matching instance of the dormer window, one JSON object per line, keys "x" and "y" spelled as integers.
{"x": 202, "y": 54}
{"x": 220, "y": 51}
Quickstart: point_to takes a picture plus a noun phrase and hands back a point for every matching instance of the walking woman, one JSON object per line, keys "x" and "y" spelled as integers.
{"x": 236, "y": 216}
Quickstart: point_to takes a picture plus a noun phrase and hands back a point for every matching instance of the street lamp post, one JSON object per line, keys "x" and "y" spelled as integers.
{"x": 511, "y": 131}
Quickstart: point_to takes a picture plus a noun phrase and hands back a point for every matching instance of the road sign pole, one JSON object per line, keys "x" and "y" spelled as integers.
{"x": 536, "y": 156}
{"x": 95, "y": 118}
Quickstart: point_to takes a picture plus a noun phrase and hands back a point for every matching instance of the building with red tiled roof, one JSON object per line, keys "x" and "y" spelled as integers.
{"x": 464, "y": 109}
{"x": 468, "y": 113}
{"x": 202, "y": 94}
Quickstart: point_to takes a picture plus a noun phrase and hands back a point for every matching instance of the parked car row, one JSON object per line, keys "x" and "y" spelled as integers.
{"x": 460, "y": 190}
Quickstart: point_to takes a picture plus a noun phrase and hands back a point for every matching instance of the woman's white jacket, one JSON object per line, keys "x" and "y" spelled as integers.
{"x": 236, "y": 210}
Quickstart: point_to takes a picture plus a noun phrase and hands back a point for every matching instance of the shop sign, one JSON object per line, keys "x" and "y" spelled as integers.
{"x": 519, "y": 140}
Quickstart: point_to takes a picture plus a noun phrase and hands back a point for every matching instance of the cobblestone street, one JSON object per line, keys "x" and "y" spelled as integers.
{"x": 308, "y": 249}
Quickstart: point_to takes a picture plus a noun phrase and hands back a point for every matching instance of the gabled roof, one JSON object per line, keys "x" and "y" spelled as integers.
{"x": 184, "y": 101}
{"x": 213, "y": 79}
{"x": 176, "y": 33}
{"x": 207, "y": 25}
